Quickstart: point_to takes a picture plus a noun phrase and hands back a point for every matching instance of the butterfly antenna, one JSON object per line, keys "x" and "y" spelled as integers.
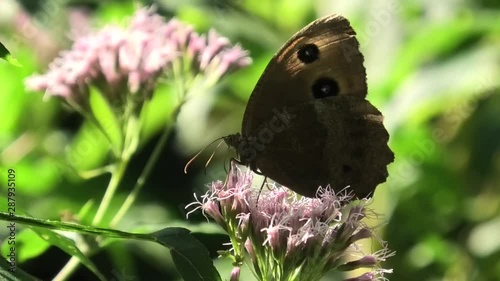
{"x": 212, "y": 156}
{"x": 197, "y": 154}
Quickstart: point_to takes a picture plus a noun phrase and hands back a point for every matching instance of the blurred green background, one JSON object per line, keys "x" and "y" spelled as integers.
{"x": 433, "y": 70}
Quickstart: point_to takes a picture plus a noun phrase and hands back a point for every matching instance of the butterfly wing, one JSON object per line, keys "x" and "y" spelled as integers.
{"x": 338, "y": 141}
{"x": 325, "y": 49}
{"x": 307, "y": 122}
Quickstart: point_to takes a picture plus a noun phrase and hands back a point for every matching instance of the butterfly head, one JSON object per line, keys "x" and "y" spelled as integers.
{"x": 245, "y": 151}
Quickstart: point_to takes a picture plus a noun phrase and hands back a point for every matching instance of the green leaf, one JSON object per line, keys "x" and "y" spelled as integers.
{"x": 3, "y": 51}
{"x": 41, "y": 227}
{"x": 18, "y": 275}
{"x": 68, "y": 246}
{"x": 84, "y": 214}
{"x": 88, "y": 149}
{"x": 45, "y": 174}
{"x": 107, "y": 119}
{"x": 191, "y": 258}
{"x": 28, "y": 245}
{"x": 156, "y": 111}
{"x": 5, "y": 54}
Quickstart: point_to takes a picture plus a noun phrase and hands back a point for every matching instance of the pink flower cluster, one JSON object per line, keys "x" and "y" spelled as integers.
{"x": 287, "y": 236}
{"x": 119, "y": 61}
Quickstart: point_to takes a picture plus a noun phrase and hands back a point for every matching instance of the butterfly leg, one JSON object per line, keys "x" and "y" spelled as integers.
{"x": 259, "y": 173}
{"x": 261, "y": 187}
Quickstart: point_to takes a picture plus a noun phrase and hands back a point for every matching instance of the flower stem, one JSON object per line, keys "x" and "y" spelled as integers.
{"x": 132, "y": 196}
{"x": 68, "y": 269}
{"x": 116, "y": 176}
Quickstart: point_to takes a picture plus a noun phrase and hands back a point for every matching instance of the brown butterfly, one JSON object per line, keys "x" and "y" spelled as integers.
{"x": 307, "y": 123}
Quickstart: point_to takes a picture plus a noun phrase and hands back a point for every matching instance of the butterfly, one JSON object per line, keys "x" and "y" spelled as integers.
{"x": 307, "y": 122}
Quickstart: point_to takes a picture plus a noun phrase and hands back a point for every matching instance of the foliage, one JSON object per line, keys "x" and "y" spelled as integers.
{"x": 432, "y": 69}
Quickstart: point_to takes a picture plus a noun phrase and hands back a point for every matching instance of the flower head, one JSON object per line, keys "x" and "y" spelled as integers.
{"x": 287, "y": 237}
{"x": 127, "y": 62}
{"x": 235, "y": 274}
